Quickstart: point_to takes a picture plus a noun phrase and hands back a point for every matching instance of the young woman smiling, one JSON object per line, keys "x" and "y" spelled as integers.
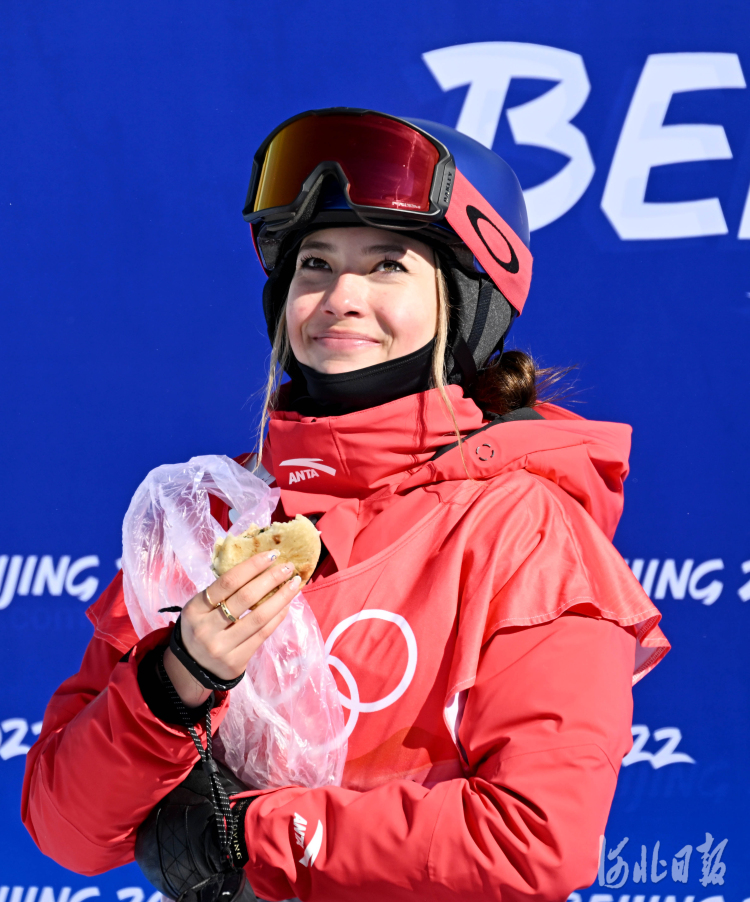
{"x": 485, "y": 632}
{"x": 360, "y": 297}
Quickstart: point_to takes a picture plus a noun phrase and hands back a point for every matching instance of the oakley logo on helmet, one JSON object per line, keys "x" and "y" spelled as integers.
{"x": 476, "y": 218}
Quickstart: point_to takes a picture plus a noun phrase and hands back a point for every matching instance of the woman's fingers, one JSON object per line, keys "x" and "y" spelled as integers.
{"x": 233, "y": 580}
{"x": 248, "y": 595}
{"x": 227, "y": 585}
{"x": 255, "y": 623}
{"x": 242, "y": 587}
{"x": 223, "y": 645}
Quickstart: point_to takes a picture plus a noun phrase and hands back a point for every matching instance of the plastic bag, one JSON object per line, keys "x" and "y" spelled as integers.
{"x": 285, "y": 723}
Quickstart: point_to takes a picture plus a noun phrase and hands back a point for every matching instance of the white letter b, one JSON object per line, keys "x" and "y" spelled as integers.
{"x": 544, "y": 121}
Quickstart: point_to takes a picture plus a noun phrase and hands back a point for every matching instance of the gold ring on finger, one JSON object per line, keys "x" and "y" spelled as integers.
{"x": 226, "y": 612}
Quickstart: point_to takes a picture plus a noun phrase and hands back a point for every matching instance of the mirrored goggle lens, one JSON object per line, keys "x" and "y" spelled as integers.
{"x": 387, "y": 163}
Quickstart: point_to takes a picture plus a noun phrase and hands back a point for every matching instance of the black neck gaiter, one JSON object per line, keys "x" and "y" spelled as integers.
{"x": 315, "y": 394}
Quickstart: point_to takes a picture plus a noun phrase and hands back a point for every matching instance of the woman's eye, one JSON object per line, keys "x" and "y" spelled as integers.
{"x": 390, "y": 266}
{"x": 313, "y": 263}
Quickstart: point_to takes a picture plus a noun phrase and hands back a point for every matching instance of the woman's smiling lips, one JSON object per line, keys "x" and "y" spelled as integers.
{"x": 337, "y": 340}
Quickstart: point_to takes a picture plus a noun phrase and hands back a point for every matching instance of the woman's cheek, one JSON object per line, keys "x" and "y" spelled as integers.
{"x": 413, "y": 321}
{"x": 298, "y": 311}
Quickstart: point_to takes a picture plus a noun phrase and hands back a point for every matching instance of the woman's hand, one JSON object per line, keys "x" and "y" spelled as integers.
{"x": 217, "y": 644}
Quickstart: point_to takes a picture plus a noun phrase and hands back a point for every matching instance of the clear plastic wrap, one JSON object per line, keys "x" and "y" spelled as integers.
{"x": 285, "y": 723}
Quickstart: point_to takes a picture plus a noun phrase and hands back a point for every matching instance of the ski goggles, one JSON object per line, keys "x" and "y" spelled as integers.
{"x": 386, "y": 167}
{"x": 393, "y": 175}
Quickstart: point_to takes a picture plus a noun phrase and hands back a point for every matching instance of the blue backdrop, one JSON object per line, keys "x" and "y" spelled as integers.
{"x": 132, "y": 334}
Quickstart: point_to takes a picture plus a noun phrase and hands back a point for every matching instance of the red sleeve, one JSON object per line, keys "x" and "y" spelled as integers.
{"x": 543, "y": 731}
{"x": 101, "y": 762}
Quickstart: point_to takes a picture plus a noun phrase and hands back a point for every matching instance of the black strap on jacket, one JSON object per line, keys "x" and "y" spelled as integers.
{"x": 522, "y": 413}
{"x": 224, "y": 817}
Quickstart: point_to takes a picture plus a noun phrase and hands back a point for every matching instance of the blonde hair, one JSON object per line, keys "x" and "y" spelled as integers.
{"x": 438, "y": 355}
{"x": 281, "y": 354}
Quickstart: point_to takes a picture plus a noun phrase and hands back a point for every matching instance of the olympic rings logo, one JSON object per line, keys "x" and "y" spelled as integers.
{"x": 353, "y": 702}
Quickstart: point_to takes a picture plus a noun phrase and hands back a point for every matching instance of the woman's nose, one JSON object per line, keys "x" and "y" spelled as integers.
{"x": 345, "y": 297}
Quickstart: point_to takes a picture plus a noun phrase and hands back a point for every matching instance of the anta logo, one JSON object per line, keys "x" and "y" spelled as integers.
{"x": 314, "y": 466}
{"x": 299, "y": 475}
{"x": 300, "y": 825}
{"x": 313, "y": 847}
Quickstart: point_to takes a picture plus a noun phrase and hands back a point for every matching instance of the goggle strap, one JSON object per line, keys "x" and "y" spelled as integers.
{"x": 502, "y": 254}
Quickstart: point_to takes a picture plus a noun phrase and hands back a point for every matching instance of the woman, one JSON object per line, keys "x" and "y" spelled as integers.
{"x": 485, "y": 631}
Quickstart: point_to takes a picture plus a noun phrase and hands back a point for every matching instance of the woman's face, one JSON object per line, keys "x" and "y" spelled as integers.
{"x": 360, "y": 296}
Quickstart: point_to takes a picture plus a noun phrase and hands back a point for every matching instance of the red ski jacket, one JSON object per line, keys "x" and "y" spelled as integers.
{"x": 484, "y": 633}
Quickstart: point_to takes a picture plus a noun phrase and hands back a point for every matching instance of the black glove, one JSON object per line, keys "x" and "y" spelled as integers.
{"x": 178, "y": 847}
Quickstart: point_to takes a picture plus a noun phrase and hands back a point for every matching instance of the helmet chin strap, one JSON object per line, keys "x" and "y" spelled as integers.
{"x": 463, "y": 362}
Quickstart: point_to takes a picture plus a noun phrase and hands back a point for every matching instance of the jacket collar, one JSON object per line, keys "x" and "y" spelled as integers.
{"x": 319, "y": 461}
{"x": 340, "y": 466}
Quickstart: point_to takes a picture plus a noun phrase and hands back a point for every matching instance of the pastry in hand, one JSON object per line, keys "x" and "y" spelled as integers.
{"x": 297, "y": 542}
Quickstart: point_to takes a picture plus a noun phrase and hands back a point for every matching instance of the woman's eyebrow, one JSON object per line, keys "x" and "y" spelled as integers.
{"x": 371, "y": 249}
{"x": 317, "y": 246}
{"x": 385, "y": 249}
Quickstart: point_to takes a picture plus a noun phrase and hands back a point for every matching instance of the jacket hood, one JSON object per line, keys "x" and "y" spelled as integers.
{"x": 321, "y": 462}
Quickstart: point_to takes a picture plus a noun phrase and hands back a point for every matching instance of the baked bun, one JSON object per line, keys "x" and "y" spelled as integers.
{"x": 297, "y": 542}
